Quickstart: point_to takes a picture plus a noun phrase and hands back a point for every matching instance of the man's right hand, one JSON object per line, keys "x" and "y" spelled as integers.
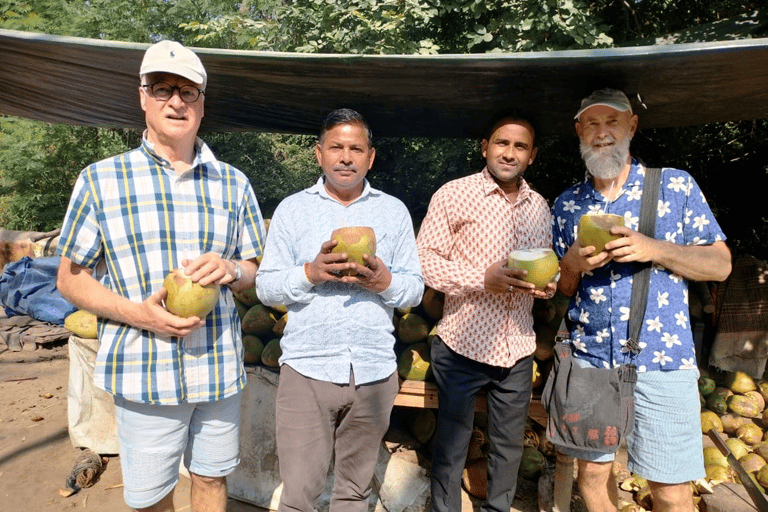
{"x": 154, "y": 317}
{"x": 327, "y": 266}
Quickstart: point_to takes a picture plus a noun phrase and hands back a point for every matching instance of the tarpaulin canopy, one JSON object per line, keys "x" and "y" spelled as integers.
{"x": 94, "y": 82}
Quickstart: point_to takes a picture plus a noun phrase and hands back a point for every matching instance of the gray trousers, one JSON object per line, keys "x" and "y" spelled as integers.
{"x": 317, "y": 421}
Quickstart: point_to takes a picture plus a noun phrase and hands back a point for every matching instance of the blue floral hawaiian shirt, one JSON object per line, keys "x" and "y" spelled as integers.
{"x": 599, "y": 312}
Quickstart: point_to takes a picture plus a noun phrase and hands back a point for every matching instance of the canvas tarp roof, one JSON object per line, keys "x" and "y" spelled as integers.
{"x": 94, "y": 82}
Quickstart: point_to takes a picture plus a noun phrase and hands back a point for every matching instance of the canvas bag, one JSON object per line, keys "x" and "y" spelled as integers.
{"x": 592, "y": 408}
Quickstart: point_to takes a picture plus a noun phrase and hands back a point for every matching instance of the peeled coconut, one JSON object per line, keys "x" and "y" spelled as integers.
{"x": 737, "y": 447}
{"x": 719, "y": 473}
{"x": 541, "y": 264}
{"x": 762, "y": 388}
{"x": 739, "y": 382}
{"x": 82, "y": 323}
{"x": 744, "y": 406}
{"x": 731, "y": 422}
{"x": 761, "y": 449}
{"x": 750, "y": 434}
{"x": 186, "y": 298}
{"x": 757, "y": 398}
{"x": 714, "y": 457}
{"x": 762, "y": 476}
{"x": 354, "y": 241}
{"x": 752, "y": 462}
{"x": 709, "y": 421}
{"x": 594, "y": 230}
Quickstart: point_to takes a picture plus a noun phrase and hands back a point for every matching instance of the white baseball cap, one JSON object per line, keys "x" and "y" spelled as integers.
{"x": 608, "y": 97}
{"x": 172, "y": 57}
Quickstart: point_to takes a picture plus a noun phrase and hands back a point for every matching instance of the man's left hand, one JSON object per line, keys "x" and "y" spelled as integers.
{"x": 375, "y": 276}
{"x": 631, "y": 246}
{"x": 209, "y": 268}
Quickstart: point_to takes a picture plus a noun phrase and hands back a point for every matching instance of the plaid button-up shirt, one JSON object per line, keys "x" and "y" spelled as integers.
{"x": 471, "y": 224}
{"x": 141, "y": 218}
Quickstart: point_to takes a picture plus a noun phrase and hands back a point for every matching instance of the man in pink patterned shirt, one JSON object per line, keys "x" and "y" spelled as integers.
{"x": 485, "y": 339}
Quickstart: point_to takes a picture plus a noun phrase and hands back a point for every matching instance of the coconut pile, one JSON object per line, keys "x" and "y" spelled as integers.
{"x": 734, "y": 406}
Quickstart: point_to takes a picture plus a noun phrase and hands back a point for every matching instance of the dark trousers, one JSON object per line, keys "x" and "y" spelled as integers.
{"x": 319, "y": 421}
{"x": 508, "y": 391}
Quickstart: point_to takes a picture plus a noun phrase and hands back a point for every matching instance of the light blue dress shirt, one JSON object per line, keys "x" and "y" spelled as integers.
{"x": 334, "y": 327}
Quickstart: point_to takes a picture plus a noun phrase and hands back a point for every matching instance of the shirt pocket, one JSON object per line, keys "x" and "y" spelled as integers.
{"x": 218, "y": 230}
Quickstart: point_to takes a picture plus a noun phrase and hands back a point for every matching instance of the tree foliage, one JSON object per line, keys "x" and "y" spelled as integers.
{"x": 34, "y": 155}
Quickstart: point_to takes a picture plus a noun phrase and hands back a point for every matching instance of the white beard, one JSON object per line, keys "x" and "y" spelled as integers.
{"x": 606, "y": 164}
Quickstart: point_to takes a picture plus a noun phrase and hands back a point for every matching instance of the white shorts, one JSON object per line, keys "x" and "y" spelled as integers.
{"x": 153, "y": 439}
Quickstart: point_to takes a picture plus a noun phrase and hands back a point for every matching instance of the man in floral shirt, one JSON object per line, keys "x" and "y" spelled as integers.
{"x": 665, "y": 446}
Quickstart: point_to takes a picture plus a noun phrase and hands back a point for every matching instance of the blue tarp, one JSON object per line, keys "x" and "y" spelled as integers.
{"x": 28, "y": 287}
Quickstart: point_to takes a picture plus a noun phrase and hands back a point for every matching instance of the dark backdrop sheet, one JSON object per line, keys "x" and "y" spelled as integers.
{"x": 94, "y": 82}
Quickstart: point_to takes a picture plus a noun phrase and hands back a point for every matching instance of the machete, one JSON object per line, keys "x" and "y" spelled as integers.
{"x": 757, "y": 497}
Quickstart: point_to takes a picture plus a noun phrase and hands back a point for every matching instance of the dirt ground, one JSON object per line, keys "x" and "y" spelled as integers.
{"x": 36, "y": 455}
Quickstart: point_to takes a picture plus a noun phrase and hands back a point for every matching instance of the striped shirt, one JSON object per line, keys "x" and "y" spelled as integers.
{"x": 470, "y": 225}
{"x": 135, "y": 214}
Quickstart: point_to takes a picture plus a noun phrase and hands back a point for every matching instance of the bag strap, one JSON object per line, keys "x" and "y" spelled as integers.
{"x": 642, "y": 278}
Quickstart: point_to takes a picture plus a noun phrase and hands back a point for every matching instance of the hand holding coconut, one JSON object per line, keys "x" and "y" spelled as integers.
{"x": 500, "y": 278}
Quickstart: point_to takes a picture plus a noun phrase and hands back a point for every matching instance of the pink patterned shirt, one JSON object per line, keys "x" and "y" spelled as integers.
{"x": 470, "y": 225}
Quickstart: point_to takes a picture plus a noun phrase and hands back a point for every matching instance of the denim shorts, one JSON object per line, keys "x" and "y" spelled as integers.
{"x": 153, "y": 439}
{"x": 665, "y": 445}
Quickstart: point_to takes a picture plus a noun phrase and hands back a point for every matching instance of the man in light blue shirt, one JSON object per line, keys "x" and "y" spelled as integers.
{"x": 337, "y": 379}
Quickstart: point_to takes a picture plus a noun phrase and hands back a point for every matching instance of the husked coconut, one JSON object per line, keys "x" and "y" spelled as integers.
{"x": 594, "y": 230}
{"x": 739, "y": 382}
{"x": 186, "y": 298}
{"x": 82, "y": 323}
{"x": 541, "y": 265}
{"x": 355, "y": 242}
{"x": 709, "y": 421}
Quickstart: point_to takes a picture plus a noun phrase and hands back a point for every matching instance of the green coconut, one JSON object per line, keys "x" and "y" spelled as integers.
{"x": 421, "y": 424}
{"x": 411, "y": 328}
{"x": 594, "y": 230}
{"x": 186, "y": 298}
{"x": 706, "y": 385}
{"x": 722, "y": 392}
{"x": 532, "y": 463}
{"x": 739, "y": 382}
{"x": 433, "y": 303}
{"x": 247, "y": 296}
{"x": 259, "y": 320}
{"x": 271, "y": 353}
{"x": 82, "y": 323}
{"x": 241, "y": 308}
{"x": 541, "y": 265}
{"x": 252, "y": 349}
{"x": 355, "y": 241}
{"x": 414, "y": 362}
{"x": 716, "y": 403}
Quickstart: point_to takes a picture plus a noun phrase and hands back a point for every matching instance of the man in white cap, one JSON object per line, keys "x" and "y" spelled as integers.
{"x": 665, "y": 445}
{"x": 166, "y": 204}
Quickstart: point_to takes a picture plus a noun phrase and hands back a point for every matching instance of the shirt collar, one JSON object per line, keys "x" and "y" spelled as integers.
{"x": 490, "y": 186}
{"x": 319, "y": 189}
{"x": 204, "y": 157}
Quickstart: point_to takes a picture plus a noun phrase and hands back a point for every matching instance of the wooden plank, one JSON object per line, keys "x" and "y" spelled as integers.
{"x": 423, "y": 395}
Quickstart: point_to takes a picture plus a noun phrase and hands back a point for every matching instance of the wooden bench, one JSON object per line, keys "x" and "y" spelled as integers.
{"x": 423, "y": 395}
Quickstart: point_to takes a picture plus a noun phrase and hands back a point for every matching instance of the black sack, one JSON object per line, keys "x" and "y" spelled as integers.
{"x": 590, "y": 409}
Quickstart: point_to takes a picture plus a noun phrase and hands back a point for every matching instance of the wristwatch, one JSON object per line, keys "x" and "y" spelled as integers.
{"x": 238, "y": 272}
